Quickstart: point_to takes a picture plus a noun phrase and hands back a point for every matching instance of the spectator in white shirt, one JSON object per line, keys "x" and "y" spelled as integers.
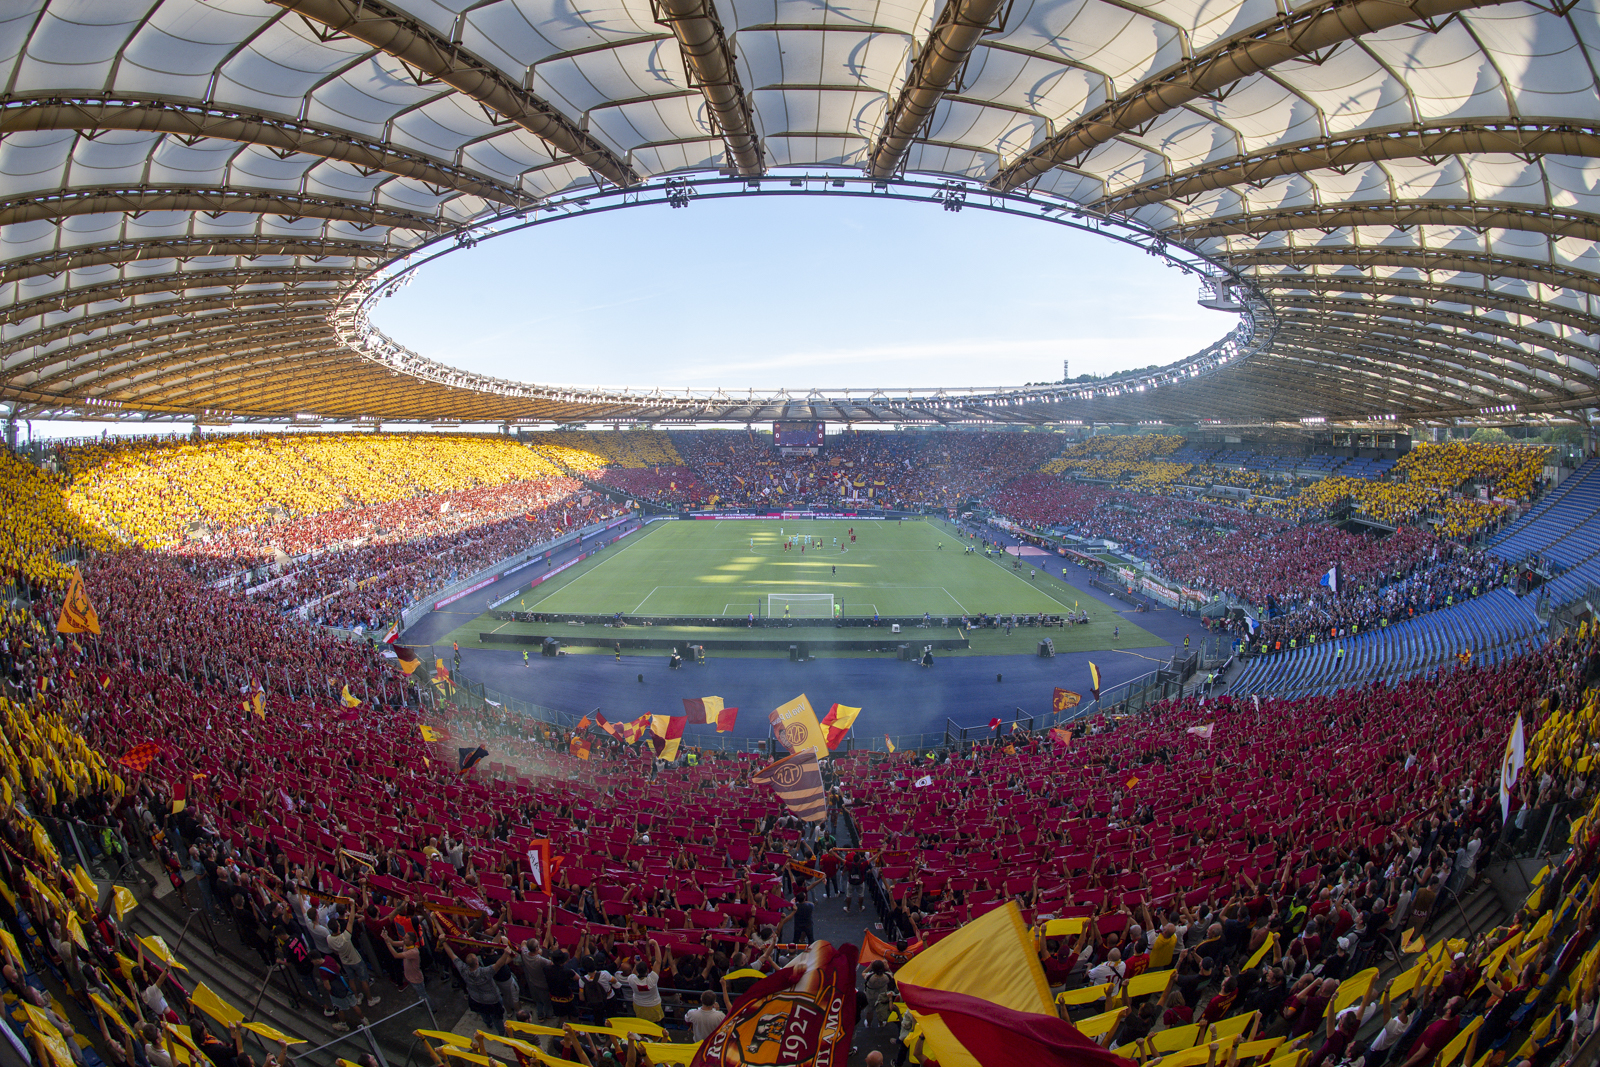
{"x": 705, "y": 1019}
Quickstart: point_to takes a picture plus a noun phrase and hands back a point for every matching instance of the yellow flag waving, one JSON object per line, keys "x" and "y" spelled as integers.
{"x": 77, "y": 614}
{"x": 795, "y": 724}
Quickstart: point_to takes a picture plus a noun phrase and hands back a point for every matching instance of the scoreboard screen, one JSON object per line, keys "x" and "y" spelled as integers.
{"x": 797, "y": 434}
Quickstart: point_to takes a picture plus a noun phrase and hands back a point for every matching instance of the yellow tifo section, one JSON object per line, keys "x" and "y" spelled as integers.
{"x": 35, "y": 523}
{"x": 147, "y": 493}
{"x": 583, "y": 450}
{"x": 1392, "y": 502}
{"x": 1507, "y": 470}
{"x": 1112, "y": 455}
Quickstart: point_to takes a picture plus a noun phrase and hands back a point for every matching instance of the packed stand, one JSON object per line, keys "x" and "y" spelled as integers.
{"x": 1393, "y": 503}
{"x": 1231, "y": 897}
{"x": 1504, "y": 471}
{"x": 155, "y": 494}
{"x": 1252, "y": 557}
{"x": 870, "y": 469}
{"x": 36, "y": 526}
{"x": 1263, "y": 832}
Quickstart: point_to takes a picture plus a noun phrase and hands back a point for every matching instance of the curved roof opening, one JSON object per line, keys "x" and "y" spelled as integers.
{"x": 193, "y": 192}
{"x": 827, "y": 291}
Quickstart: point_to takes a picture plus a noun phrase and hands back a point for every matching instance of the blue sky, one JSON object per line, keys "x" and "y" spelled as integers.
{"x": 792, "y": 291}
{"x": 799, "y": 291}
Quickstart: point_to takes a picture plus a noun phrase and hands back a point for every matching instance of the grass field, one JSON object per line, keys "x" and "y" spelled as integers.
{"x": 712, "y": 568}
{"x": 729, "y": 567}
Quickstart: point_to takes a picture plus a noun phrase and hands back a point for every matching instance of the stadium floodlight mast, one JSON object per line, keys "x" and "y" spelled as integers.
{"x": 1222, "y": 288}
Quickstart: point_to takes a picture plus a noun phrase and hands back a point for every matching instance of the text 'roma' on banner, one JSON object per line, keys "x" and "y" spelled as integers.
{"x": 800, "y": 1016}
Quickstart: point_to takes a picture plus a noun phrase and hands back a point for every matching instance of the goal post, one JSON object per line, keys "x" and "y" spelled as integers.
{"x": 800, "y": 605}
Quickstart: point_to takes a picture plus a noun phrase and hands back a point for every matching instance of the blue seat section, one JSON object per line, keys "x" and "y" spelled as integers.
{"x": 1492, "y": 627}
{"x": 1310, "y": 466}
{"x": 1563, "y": 528}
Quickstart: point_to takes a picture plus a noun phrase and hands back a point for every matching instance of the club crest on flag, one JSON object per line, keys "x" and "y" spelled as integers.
{"x": 1064, "y": 700}
{"x": 800, "y": 1016}
{"x": 77, "y": 613}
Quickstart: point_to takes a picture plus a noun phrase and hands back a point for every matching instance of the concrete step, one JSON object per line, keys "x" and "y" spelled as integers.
{"x": 238, "y": 976}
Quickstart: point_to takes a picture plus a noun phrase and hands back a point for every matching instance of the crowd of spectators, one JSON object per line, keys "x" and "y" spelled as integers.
{"x": 1456, "y": 575}
{"x": 1318, "y": 828}
{"x": 1315, "y": 831}
{"x": 1257, "y": 877}
{"x": 1392, "y": 502}
{"x": 1222, "y": 549}
{"x": 155, "y": 494}
{"x": 876, "y": 469}
{"x": 1504, "y": 471}
{"x": 36, "y": 526}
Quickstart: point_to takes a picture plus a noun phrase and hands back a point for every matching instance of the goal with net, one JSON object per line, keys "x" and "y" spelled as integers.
{"x": 800, "y": 605}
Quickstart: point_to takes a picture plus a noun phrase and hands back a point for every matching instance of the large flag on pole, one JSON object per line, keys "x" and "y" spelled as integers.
{"x": 1511, "y": 766}
{"x": 837, "y": 723}
{"x": 796, "y": 726}
{"x": 1094, "y": 680}
{"x": 1064, "y": 700}
{"x": 710, "y": 711}
{"x": 666, "y": 733}
{"x": 702, "y": 711}
{"x": 981, "y": 997}
{"x": 407, "y": 659}
{"x": 1333, "y": 579}
{"x": 803, "y": 1014}
{"x": 798, "y": 781}
{"x": 77, "y": 614}
{"x": 470, "y": 757}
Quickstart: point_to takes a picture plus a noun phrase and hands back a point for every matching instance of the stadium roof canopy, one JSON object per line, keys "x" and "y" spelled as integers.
{"x": 200, "y": 199}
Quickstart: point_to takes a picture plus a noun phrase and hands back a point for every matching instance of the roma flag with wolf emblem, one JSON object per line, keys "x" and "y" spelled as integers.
{"x": 801, "y": 1015}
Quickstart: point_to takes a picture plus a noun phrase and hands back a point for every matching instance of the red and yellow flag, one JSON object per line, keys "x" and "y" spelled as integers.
{"x": 1066, "y": 699}
{"x": 407, "y": 659}
{"x": 666, "y": 733}
{"x": 77, "y": 613}
{"x": 980, "y": 997}
{"x": 138, "y": 757}
{"x": 836, "y": 724}
{"x": 804, "y": 1013}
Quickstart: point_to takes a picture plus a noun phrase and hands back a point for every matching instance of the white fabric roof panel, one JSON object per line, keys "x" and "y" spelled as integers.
{"x": 1387, "y": 168}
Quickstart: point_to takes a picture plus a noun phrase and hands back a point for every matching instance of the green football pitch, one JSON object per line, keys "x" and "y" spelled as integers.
{"x": 729, "y": 567}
